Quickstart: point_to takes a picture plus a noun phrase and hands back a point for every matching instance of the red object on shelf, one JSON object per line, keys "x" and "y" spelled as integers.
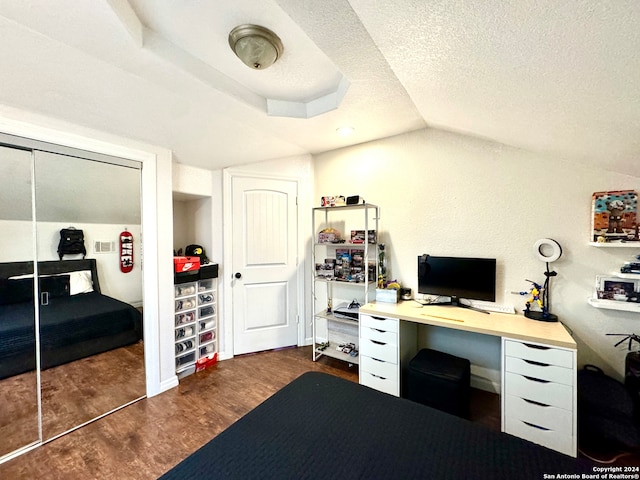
{"x": 206, "y": 362}
{"x": 186, "y": 264}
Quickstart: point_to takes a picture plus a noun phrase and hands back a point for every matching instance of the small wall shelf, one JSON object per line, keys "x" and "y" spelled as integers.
{"x": 615, "y": 244}
{"x": 615, "y": 305}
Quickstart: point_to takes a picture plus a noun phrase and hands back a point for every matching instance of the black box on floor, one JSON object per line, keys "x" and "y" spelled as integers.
{"x": 440, "y": 380}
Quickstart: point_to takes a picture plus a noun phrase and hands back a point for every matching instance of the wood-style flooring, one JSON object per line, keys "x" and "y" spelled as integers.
{"x": 72, "y": 394}
{"x": 149, "y": 437}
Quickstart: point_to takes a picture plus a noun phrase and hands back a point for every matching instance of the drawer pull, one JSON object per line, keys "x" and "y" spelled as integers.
{"x": 536, "y": 426}
{"x": 537, "y": 347}
{"x": 377, "y": 342}
{"x": 377, "y": 376}
{"x": 539, "y": 364}
{"x": 540, "y": 404}
{"x": 378, "y": 318}
{"x": 376, "y": 360}
{"x": 378, "y": 330}
{"x": 536, "y": 379}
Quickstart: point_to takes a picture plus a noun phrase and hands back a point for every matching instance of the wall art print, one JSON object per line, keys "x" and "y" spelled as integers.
{"x": 614, "y": 216}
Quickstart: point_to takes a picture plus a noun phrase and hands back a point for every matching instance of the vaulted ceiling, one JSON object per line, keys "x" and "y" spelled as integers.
{"x": 557, "y": 77}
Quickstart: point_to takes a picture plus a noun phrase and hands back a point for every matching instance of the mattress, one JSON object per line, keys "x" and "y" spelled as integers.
{"x": 71, "y": 327}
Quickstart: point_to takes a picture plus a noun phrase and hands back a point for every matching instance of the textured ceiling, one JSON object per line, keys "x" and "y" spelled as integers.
{"x": 559, "y": 78}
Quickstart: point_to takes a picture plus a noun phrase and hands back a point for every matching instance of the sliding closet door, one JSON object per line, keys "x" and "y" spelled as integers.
{"x": 102, "y": 200}
{"x": 18, "y": 376}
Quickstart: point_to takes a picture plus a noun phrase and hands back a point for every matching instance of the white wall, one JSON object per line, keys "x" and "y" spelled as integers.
{"x": 126, "y": 287}
{"x": 446, "y": 194}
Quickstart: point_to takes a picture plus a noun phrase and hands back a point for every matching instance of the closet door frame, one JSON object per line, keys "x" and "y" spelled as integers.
{"x": 157, "y": 245}
{"x": 32, "y": 147}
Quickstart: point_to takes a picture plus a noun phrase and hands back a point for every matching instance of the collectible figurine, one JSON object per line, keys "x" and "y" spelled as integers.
{"x": 537, "y": 293}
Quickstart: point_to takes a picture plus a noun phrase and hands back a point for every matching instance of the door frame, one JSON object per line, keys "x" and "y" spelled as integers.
{"x": 157, "y": 271}
{"x": 228, "y": 174}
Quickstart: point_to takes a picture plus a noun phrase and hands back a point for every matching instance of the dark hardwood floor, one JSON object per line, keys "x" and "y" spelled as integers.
{"x": 149, "y": 437}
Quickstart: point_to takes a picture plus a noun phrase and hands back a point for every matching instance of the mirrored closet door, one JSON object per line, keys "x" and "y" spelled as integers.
{"x": 91, "y": 349}
{"x": 85, "y": 306}
{"x": 18, "y": 376}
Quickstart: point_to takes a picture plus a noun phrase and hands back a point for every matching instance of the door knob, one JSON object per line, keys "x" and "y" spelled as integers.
{"x": 238, "y": 275}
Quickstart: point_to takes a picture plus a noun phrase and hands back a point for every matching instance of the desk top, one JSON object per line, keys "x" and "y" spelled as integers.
{"x": 497, "y": 324}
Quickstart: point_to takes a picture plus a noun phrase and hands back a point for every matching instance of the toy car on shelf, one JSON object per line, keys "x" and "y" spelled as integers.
{"x": 631, "y": 267}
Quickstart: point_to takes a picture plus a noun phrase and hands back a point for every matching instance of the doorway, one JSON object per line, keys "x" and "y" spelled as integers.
{"x": 265, "y": 282}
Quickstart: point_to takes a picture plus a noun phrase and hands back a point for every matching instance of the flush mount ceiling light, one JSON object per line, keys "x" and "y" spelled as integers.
{"x": 345, "y": 131}
{"x": 256, "y": 46}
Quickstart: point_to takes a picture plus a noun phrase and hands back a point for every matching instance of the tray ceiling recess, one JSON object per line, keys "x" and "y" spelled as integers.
{"x": 302, "y": 83}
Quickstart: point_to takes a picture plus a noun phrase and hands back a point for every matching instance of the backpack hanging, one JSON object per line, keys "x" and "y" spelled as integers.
{"x": 71, "y": 242}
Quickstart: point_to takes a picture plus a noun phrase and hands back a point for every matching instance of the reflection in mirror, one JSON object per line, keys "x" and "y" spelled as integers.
{"x": 91, "y": 314}
{"x": 18, "y": 379}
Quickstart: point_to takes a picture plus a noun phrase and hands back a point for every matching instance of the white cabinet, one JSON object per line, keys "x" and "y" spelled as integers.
{"x": 344, "y": 273}
{"x": 539, "y": 394}
{"x": 379, "y": 354}
{"x": 196, "y": 324}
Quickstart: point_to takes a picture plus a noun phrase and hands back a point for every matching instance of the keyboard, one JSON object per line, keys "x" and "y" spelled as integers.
{"x": 492, "y": 307}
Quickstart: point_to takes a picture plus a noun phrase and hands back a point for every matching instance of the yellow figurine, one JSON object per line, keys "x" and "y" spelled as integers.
{"x": 535, "y": 292}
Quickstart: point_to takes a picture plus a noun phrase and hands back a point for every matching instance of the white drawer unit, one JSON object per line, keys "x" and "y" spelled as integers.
{"x": 539, "y": 394}
{"x": 379, "y": 336}
{"x": 387, "y": 352}
{"x": 538, "y": 413}
{"x": 539, "y": 353}
{"x": 549, "y": 438}
{"x": 537, "y": 390}
{"x": 379, "y": 358}
{"x": 388, "y": 385}
{"x": 539, "y": 370}
{"x": 380, "y": 323}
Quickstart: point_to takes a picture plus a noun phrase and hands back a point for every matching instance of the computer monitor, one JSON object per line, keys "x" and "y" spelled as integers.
{"x": 457, "y": 277}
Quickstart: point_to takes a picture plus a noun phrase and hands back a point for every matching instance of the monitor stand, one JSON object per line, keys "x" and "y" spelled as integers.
{"x": 454, "y": 302}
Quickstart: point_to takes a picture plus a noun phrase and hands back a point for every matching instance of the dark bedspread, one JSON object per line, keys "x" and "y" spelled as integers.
{"x": 321, "y": 426}
{"x": 71, "y": 327}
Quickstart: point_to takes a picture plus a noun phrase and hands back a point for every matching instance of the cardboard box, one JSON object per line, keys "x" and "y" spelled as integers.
{"x": 385, "y": 295}
{"x": 358, "y": 236}
{"x": 328, "y": 237}
{"x": 186, "y": 264}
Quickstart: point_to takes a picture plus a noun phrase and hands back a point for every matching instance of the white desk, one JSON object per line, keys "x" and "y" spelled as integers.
{"x": 538, "y": 364}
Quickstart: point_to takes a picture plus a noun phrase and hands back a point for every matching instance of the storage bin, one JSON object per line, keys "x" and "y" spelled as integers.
{"x": 440, "y": 380}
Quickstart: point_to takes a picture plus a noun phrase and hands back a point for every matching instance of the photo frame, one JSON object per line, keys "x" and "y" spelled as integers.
{"x": 615, "y": 288}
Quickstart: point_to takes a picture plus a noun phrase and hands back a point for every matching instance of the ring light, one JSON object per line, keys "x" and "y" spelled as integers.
{"x": 544, "y": 245}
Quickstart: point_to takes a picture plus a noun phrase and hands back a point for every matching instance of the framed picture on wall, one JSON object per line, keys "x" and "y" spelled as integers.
{"x": 614, "y": 216}
{"x": 614, "y": 288}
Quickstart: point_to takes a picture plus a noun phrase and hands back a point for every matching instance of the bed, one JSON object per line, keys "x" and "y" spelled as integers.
{"x": 321, "y": 426}
{"x": 78, "y": 321}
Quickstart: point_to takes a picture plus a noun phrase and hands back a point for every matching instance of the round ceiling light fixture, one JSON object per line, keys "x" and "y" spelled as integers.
{"x": 345, "y": 131}
{"x": 256, "y": 46}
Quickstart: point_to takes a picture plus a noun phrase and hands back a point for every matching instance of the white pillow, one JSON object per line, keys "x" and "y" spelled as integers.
{"x": 80, "y": 282}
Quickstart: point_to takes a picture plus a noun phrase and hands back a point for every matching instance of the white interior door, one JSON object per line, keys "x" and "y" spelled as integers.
{"x": 264, "y": 258}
